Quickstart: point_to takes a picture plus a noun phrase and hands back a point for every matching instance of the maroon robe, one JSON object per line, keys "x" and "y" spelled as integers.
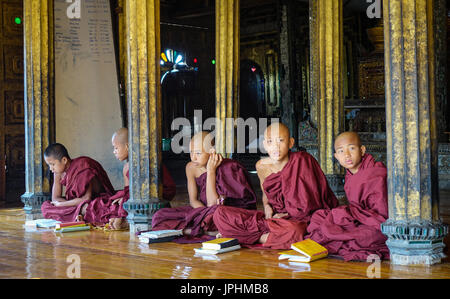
{"x": 232, "y": 181}
{"x": 169, "y": 191}
{"x": 80, "y": 173}
{"x": 353, "y": 231}
{"x": 298, "y": 189}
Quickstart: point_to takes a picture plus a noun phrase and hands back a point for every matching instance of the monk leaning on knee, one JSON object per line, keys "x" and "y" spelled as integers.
{"x": 211, "y": 181}
{"x": 353, "y": 231}
{"x": 293, "y": 187}
{"x": 87, "y": 188}
{"x": 120, "y": 149}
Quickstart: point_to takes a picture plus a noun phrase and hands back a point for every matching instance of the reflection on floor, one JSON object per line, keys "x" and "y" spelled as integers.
{"x": 45, "y": 254}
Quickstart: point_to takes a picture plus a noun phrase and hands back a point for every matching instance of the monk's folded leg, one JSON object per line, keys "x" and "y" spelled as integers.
{"x": 245, "y": 225}
{"x": 283, "y": 232}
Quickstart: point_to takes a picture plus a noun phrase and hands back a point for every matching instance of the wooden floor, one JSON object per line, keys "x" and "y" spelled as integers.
{"x": 44, "y": 254}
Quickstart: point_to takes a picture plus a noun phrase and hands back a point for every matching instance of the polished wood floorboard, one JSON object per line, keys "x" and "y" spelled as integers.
{"x": 44, "y": 254}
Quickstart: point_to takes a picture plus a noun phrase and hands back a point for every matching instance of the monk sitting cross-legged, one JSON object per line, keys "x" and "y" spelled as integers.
{"x": 353, "y": 231}
{"x": 87, "y": 188}
{"x": 212, "y": 181}
{"x": 117, "y": 214}
{"x": 293, "y": 185}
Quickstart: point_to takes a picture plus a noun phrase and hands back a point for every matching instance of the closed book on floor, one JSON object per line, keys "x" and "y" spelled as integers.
{"x": 73, "y": 229}
{"x": 162, "y": 233}
{"x": 309, "y": 251}
{"x": 43, "y": 223}
{"x": 220, "y": 243}
{"x": 210, "y": 251}
{"x": 148, "y": 240}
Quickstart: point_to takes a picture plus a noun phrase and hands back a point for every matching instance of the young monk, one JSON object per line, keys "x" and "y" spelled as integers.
{"x": 293, "y": 185}
{"x": 211, "y": 181}
{"x": 87, "y": 188}
{"x": 118, "y": 214}
{"x": 353, "y": 231}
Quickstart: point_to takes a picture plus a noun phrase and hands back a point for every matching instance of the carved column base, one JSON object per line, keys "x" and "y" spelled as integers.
{"x": 33, "y": 203}
{"x": 415, "y": 243}
{"x": 336, "y": 182}
{"x": 140, "y": 213}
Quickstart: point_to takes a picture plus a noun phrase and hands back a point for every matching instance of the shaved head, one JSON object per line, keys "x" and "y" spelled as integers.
{"x": 278, "y": 128}
{"x": 121, "y": 135}
{"x": 347, "y": 137}
{"x": 203, "y": 140}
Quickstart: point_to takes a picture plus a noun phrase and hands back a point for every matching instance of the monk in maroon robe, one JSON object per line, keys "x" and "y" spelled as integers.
{"x": 87, "y": 188}
{"x": 212, "y": 181}
{"x": 353, "y": 231}
{"x": 293, "y": 185}
{"x": 117, "y": 213}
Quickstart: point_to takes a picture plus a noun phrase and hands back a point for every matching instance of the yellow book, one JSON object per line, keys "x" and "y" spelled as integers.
{"x": 305, "y": 251}
{"x": 220, "y": 243}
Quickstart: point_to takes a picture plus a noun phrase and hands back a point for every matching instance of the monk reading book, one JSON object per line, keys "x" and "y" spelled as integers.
{"x": 87, "y": 188}
{"x": 353, "y": 231}
{"x": 293, "y": 185}
{"x": 212, "y": 181}
{"x": 117, "y": 214}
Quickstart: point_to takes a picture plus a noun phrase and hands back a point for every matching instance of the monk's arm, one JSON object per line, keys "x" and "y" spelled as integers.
{"x": 126, "y": 181}
{"x": 192, "y": 188}
{"x": 214, "y": 161}
{"x": 57, "y": 189}
{"x": 76, "y": 201}
{"x": 262, "y": 174}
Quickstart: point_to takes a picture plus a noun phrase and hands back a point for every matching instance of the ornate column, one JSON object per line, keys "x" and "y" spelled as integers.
{"x": 227, "y": 72}
{"x": 414, "y": 230}
{"x": 289, "y": 106}
{"x": 144, "y": 112}
{"x": 327, "y": 82}
{"x": 39, "y": 98}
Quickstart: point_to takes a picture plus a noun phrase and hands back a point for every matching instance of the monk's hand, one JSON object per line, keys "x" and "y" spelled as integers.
{"x": 280, "y": 215}
{"x": 268, "y": 211}
{"x": 117, "y": 200}
{"x": 214, "y": 161}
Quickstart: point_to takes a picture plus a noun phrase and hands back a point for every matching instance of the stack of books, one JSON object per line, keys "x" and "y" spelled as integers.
{"x": 217, "y": 246}
{"x": 71, "y": 227}
{"x": 304, "y": 251}
{"x": 158, "y": 236}
{"x": 42, "y": 223}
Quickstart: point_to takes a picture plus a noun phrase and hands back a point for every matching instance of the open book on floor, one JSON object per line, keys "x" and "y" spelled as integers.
{"x": 304, "y": 251}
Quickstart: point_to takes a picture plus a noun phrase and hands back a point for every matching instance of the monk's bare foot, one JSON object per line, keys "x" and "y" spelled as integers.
{"x": 118, "y": 223}
{"x": 79, "y": 218}
{"x": 187, "y": 231}
{"x": 263, "y": 238}
{"x": 219, "y": 235}
{"x": 211, "y": 233}
{"x": 83, "y": 209}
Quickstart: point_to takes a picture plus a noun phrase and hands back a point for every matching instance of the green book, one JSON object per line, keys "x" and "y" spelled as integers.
{"x": 72, "y": 229}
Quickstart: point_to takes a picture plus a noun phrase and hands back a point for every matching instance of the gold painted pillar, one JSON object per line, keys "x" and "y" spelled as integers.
{"x": 327, "y": 82}
{"x": 227, "y": 71}
{"x": 414, "y": 230}
{"x": 144, "y": 112}
{"x": 39, "y": 99}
